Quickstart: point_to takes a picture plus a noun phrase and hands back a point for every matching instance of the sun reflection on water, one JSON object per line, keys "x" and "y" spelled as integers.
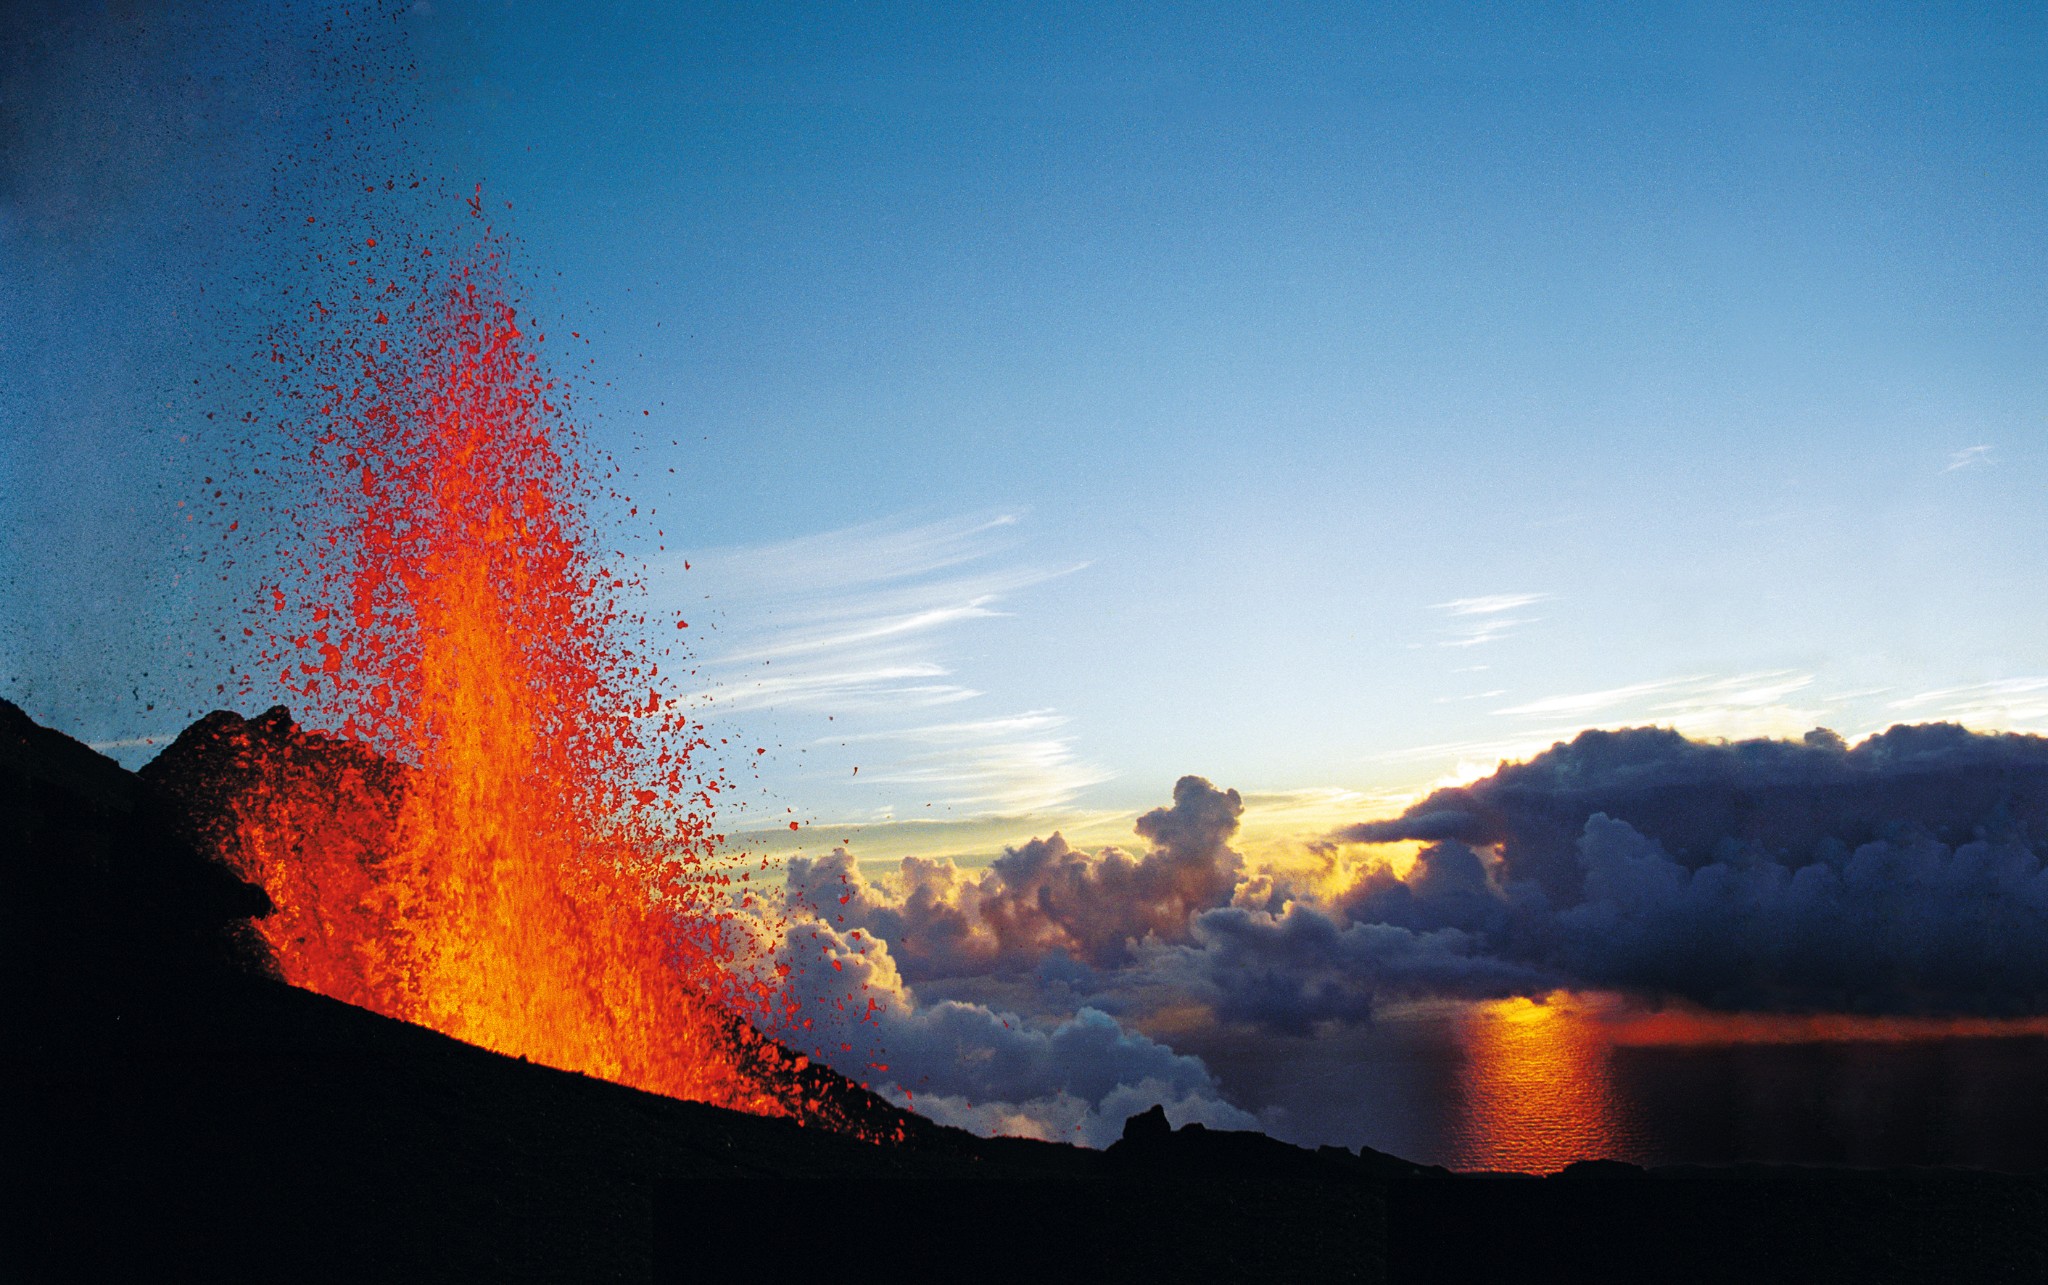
{"x": 1537, "y": 1091}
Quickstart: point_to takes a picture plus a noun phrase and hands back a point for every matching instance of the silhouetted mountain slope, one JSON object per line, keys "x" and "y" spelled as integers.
{"x": 173, "y": 1110}
{"x": 352, "y": 797}
{"x": 173, "y": 1114}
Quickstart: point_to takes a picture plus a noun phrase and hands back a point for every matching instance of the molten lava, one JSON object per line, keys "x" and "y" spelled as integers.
{"x": 503, "y": 838}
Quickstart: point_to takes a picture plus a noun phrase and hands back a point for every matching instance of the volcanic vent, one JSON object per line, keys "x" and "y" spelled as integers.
{"x": 499, "y": 834}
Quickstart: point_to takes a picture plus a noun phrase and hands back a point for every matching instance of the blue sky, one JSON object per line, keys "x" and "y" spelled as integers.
{"x": 1325, "y": 401}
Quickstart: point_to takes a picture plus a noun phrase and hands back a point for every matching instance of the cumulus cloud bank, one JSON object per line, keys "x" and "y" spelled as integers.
{"x": 857, "y": 947}
{"x": 1044, "y": 897}
{"x": 1898, "y": 876}
{"x": 1073, "y": 1080}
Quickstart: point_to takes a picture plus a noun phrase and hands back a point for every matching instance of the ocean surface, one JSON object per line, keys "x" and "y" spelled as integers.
{"x": 1532, "y": 1087}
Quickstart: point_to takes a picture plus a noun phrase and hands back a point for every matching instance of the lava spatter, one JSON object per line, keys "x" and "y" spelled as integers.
{"x": 498, "y": 831}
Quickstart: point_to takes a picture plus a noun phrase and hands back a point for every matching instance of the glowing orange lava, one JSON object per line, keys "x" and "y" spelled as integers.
{"x": 505, "y": 840}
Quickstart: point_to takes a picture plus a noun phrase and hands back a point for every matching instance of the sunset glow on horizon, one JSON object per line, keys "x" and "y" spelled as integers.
{"x": 1536, "y": 1094}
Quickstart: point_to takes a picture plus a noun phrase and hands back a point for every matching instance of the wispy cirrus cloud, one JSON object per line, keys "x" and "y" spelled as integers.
{"x": 1593, "y": 702}
{"x": 852, "y": 617}
{"x": 1011, "y": 765}
{"x": 1968, "y": 457}
{"x": 2018, "y": 704}
{"x": 1751, "y": 704}
{"x": 1489, "y": 604}
{"x": 839, "y": 687}
{"x": 1710, "y": 700}
{"x": 1757, "y": 703}
{"x": 856, "y": 631}
{"x": 880, "y": 629}
{"x": 1472, "y": 696}
{"x": 1481, "y": 620}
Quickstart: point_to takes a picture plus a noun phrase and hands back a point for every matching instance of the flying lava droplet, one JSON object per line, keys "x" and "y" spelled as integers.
{"x": 494, "y": 838}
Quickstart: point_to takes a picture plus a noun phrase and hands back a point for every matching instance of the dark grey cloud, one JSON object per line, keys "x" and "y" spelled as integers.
{"x": 1898, "y": 876}
{"x": 1907, "y": 925}
{"x": 1293, "y": 971}
{"x": 1704, "y": 802}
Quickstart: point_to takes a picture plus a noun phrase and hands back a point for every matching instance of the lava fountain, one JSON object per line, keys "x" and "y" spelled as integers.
{"x": 501, "y": 835}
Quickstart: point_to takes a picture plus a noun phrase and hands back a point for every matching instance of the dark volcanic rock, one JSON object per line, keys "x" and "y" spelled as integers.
{"x": 348, "y": 797}
{"x": 102, "y": 898}
{"x": 224, "y": 756}
{"x": 1148, "y": 1129}
{"x": 172, "y": 1114}
{"x": 1151, "y": 1144}
{"x": 175, "y": 1113}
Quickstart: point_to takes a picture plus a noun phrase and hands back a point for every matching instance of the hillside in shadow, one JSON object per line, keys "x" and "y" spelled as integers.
{"x": 176, "y": 1113}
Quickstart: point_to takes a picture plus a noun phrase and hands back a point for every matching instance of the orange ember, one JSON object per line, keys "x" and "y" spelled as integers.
{"x": 505, "y": 839}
